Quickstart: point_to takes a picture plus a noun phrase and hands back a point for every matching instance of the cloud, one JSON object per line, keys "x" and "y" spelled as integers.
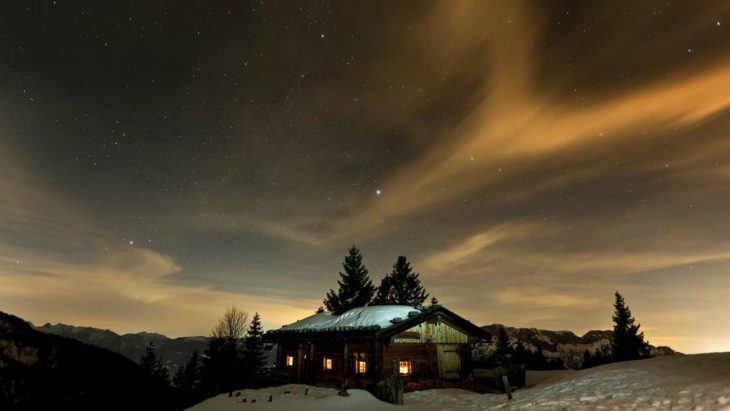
{"x": 474, "y": 248}
{"x": 55, "y": 265}
{"x": 519, "y": 123}
{"x": 527, "y": 168}
{"x": 126, "y": 290}
{"x": 540, "y": 299}
{"x": 510, "y": 249}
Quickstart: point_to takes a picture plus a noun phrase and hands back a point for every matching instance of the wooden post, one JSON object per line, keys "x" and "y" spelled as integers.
{"x": 378, "y": 363}
{"x": 505, "y": 382}
{"x": 345, "y": 370}
{"x": 310, "y": 364}
{"x": 300, "y": 363}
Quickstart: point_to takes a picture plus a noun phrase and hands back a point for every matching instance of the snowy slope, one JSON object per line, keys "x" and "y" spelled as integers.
{"x": 688, "y": 382}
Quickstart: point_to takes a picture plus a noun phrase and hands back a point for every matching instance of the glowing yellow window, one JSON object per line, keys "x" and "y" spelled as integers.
{"x": 289, "y": 360}
{"x": 327, "y": 363}
{"x": 405, "y": 367}
{"x": 361, "y": 367}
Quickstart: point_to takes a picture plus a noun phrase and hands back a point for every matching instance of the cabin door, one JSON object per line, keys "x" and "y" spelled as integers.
{"x": 449, "y": 359}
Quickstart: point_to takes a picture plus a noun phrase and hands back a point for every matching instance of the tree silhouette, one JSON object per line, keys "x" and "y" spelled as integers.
{"x": 254, "y": 347}
{"x": 179, "y": 378}
{"x": 504, "y": 346}
{"x": 401, "y": 286}
{"x": 356, "y": 289}
{"x": 152, "y": 365}
{"x": 191, "y": 372}
{"x": 231, "y": 327}
{"x": 383, "y": 292}
{"x": 222, "y": 364}
{"x": 628, "y": 343}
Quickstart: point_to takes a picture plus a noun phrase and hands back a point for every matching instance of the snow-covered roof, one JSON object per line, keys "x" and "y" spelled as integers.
{"x": 371, "y": 317}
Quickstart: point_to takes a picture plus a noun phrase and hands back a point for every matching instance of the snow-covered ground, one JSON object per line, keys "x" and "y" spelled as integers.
{"x": 689, "y": 382}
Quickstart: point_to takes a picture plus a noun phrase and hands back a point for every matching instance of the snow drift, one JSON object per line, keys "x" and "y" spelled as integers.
{"x": 685, "y": 382}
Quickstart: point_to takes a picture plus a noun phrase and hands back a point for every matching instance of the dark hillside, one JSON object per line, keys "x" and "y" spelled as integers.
{"x": 43, "y": 371}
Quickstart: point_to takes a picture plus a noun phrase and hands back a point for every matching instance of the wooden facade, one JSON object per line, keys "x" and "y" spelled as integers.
{"x": 429, "y": 348}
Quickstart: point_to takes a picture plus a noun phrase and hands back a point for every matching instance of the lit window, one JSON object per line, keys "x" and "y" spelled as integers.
{"x": 405, "y": 367}
{"x": 361, "y": 367}
{"x": 289, "y": 360}
{"x": 327, "y": 363}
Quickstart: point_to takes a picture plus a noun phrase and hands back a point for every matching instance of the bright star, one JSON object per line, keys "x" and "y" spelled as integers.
{"x": 378, "y": 192}
{"x": 131, "y": 242}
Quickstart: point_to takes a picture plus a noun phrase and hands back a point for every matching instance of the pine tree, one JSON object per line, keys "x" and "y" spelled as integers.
{"x": 319, "y": 310}
{"x": 383, "y": 292}
{"x": 402, "y": 286}
{"x": 503, "y": 345}
{"x": 191, "y": 372}
{"x": 356, "y": 289}
{"x": 178, "y": 379}
{"x": 254, "y": 346}
{"x": 407, "y": 288}
{"x": 434, "y": 301}
{"x": 628, "y": 343}
{"x": 152, "y": 365}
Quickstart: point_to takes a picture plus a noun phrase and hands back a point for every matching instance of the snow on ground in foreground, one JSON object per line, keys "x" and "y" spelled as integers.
{"x": 689, "y": 382}
{"x": 295, "y": 400}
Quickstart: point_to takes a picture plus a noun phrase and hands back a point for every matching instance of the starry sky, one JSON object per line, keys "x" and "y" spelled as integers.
{"x": 161, "y": 160}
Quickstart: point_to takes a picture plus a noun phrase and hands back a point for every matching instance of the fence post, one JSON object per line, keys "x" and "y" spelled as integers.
{"x": 505, "y": 381}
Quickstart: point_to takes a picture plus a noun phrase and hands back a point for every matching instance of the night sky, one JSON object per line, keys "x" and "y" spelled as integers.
{"x": 161, "y": 160}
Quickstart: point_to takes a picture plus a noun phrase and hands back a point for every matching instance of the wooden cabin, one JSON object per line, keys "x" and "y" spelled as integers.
{"x": 428, "y": 347}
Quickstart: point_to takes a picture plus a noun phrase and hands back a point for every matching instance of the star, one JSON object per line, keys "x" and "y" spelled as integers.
{"x": 378, "y": 192}
{"x": 131, "y": 242}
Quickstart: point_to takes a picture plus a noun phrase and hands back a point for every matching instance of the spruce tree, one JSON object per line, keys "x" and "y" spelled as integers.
{"x": 178, "y": 379}
{"x": 406, "y": 286}
{"x": 504, "y": 346}
{"x": 434, "y": 301}
{"x": 356, "y": 289}
{"x": 628, "y": 343}
{"x": 401, "y": 286}
{"x": 191, "y": 372}
{"x": 384, "y": 292}
{"x": 254, "y": 346}
{"x": 152, "y": 365}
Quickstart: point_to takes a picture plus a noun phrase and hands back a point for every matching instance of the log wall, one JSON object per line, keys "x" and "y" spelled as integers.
{"x": 431, "y": 332}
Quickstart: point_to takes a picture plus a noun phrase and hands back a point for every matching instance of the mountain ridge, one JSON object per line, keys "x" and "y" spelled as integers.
{"x": 175, "y": 352}
{"x": 46, "y": 371}
{"x": 563, "y": 347}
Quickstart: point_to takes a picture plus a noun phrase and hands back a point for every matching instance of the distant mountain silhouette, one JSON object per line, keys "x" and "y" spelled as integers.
{"x": 175, "y": 352}
{"x": 563, "y": 345}
{"x": 44, "y": 371}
